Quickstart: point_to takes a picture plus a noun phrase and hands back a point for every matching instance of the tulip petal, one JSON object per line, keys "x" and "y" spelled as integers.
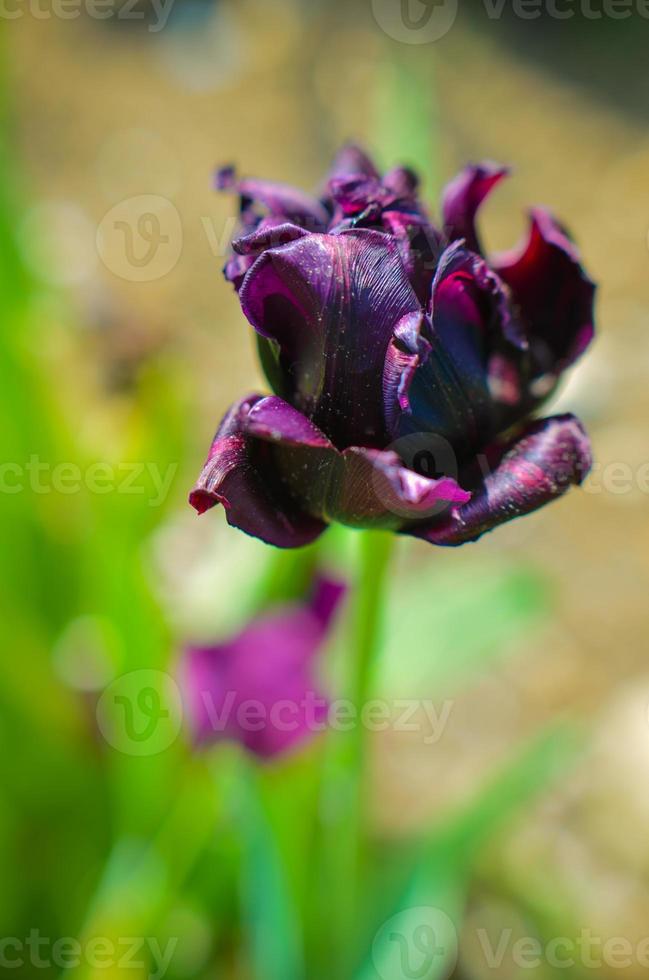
{"x": 420, "y": 247}
{"x": 331, "y": 302}
{"x": 237, "y": 475}
{"x": 541, "y": 465}
{"x": 462, "y": 197}
{"x": 407, "y": 351}
{"x": 269, "y": 233}
{"x": 372, "y": 488}
{"x": 449, "y": 391}
{"x": 402, "y": 181}
{"x": 359, "y": 487}
{"x": 553, "y": 293}
{"x": 352, "y": 160}
{"x": 265, "y": 233}
{"x": 354, "y": 193}
{"x": 268, "y": 665}
{"x": 280, "y": 200}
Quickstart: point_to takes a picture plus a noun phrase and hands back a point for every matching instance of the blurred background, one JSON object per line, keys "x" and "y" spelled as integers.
{"x": 122, "y": 346}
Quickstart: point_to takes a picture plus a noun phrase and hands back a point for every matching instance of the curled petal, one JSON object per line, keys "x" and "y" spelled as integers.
{"x": 294, "y": 463}
{"x": 331, "y": 303}
{"x": 237, "y": 475}
{"x": 363, "y": 487}
{"x": 235, "y": 269}
{"x": 479, "y": 297}
{"x": 373, "y": 488}
{"x": 280, "y": 200}
{"x": 256, "y": 235}
{"x": 541, "y": 465}
{"x": 266, "y": 233}
{"x": 462, "y": 197}
{"x": 553, "y": 293}
{"x": 407, "y": 351}
{"x": 270, "y": 233}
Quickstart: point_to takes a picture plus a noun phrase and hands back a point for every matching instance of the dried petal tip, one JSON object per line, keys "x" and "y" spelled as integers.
{"x": 225, "y": 178}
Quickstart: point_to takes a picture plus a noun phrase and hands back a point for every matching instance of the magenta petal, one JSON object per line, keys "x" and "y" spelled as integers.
{"x": 541, "y": 465}
{"x": 202, "y": 678}
{"x": 238, "y": 476}
{"x": 259, "y": 687}
{"x": 331, "y": 303}
{"x": 462, "y": 197}
{"x": 553, "y": 293}
{"x": 325, "y": 598}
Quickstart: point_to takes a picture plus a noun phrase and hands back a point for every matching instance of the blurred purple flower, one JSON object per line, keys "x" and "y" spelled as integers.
{"x": 405, "y": 365}
{"x": 259, "y": 688}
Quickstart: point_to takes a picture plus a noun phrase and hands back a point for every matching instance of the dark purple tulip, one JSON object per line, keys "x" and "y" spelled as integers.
{"x": 259, "y": 688}
{"x": 405, "y": 364}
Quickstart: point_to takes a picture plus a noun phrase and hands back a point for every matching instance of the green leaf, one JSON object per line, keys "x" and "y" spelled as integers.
{"x": 446, "y": 623}
{"x": 271, "y": 922}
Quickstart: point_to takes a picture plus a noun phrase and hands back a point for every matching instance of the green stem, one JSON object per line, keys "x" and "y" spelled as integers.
{"x": 374, "y": 549}
{"x": 342, "y": 845}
